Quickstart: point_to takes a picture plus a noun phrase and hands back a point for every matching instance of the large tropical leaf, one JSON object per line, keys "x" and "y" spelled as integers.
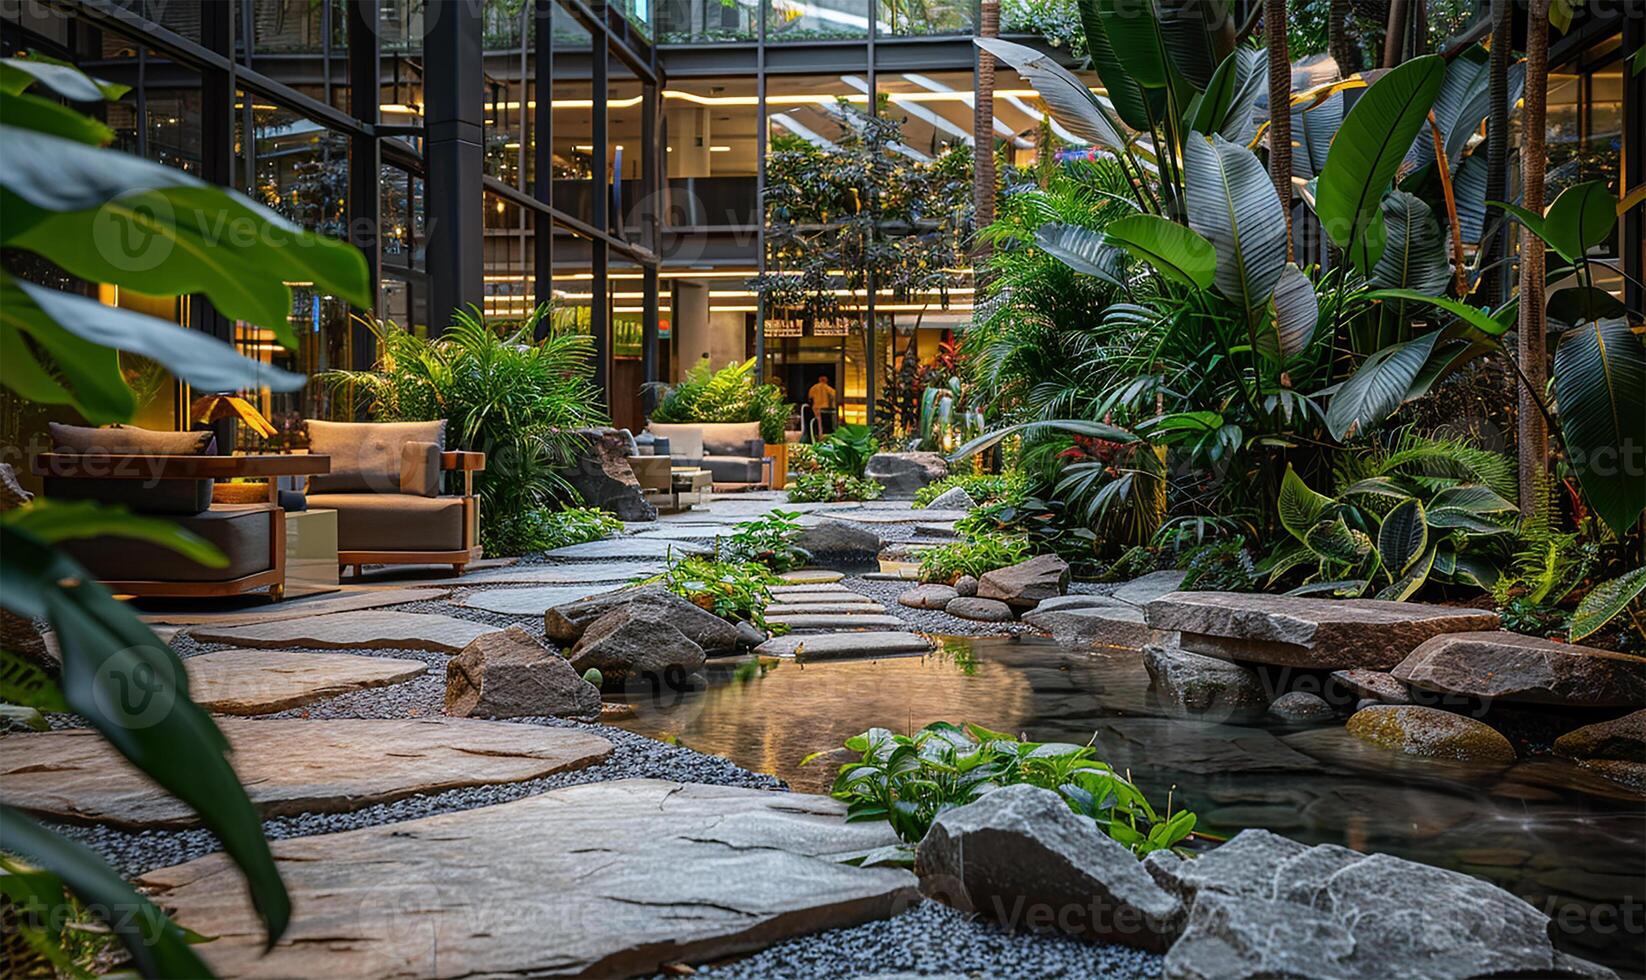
{"x": 1469, "y": 191}
{"x": 1415, "y": 256}
{"x": 1083, "y": 250}
{"x": 1301, "y": 508}
{"x": 1228, "y": 105}
{"x": 1294, "y": 310}
{"x": 1600, "y": 388}
{"x": 1132, "y": 103}
{"x": 1071, "y": 102}
{"x": 1366, "y": 155}
{"x": 1406, "y": 585}
{"x": 1077, "y": 427}
{"x": 1582, "y": 217}
{"x": 1233, "y": 204}
{"x": 1378, "y": 387}
{"x": 1175, "y": 251}
{"x": 1197, "y": 36}
{"x": 1403, "y": 536}
{"x": 1474, "y": 316}
{"x": 1462, "y": 105}
{"x": 1312, "y": 132}
{"x": 1474, "y": 498}
{"x": 1133, "y": 29}
{"x": 1604, "y": 601}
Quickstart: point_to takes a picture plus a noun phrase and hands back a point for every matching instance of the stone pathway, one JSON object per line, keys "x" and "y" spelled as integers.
{"x": 604, "y": 879}
{"x": 320, "y": 605}
{"x": 257, "y": 682}
{"x": 534, "y": 601}
{"x": 291, "y": 765}
{"x": 373, "y": 629}
{"x": 568, "y": 573}
{"x": 835, "y": 621}
{"x": 630, "y": 546}
{"x": 803, "y": 646}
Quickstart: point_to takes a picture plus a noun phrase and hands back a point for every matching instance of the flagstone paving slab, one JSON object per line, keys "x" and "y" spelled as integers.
{"x": 603, "y": 879}
{"x": 370, "y": 629}
{"x": 805, "y": 588}
{"x": 818, "y": 598}
{"x": 291, "y": 765}
{"x": 675, "y": 532}
{"x": 295, "y": 608}
{"x": 566, "y": 573}
{"x": 629, "y": 547}
{"x": 811, "y": 576}
{"x": 903, "y": 516}
{"x": 830, "y": 645}
{"x": 832, "y": 621}
{"x": 824, "y": 608}
{"x": 534, "y": 601}
{"x": 257, "y": 682}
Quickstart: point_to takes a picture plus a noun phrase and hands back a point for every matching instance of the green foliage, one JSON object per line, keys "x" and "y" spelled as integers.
{"x": 768, "y": 540}
{"x": 983, "y": 488}
{"x": 733, "y": 590}
{"x": 517, "y": 400}
{"x": 847, "y": 449}
{"x": 545, "y": 528}
{"x": 909, "y": 780}
{"x": 1044, "y": 525}
{"x": 1607, "y": 601}
{"x": 594, "y": 676}
{"x": 803, "y": 458}
{"x": 1220, "y": 565}
{"x": 982, "y": 552}
{"x": 727, "y": 395}
{"x": 829, "y": 486}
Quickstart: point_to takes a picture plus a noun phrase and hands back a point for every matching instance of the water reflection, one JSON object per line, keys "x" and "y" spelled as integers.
{"x": 1566, "y": 840}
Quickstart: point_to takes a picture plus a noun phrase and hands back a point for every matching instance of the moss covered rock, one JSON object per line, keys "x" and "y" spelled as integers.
{"x": 1430, "y": 732}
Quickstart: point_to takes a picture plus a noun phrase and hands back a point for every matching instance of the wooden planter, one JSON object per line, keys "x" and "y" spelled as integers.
{"x": 779, "y": 452}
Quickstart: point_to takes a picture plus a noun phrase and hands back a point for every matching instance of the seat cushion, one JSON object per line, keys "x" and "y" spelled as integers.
{"x": 394, "y": 521}
{"x": 734, "y": 469}
{"x": 729, "y": 438}
{"x": 142, "y": 495}
{"x": 420, "y": 469}
{"x": 120, "y": 440}
{"x": 366, "y": 456}
{"x": 240, "y": 531}
{"x": 685, "y": 438}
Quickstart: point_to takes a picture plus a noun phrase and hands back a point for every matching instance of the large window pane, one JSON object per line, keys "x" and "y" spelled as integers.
{"x": 913, "y": 17}
{"x": 698, "y": 21}
{"x": 811, "y": 20}
{"x": 711, "y": 154}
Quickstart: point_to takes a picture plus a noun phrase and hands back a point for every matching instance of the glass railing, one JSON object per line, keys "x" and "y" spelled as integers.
{"x": 706, "y": 21}
{"x": 816, "y": 20}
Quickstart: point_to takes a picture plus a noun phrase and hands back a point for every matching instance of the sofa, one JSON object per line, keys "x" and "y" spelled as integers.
{"x": 732, "y": 451}
{"x": 386, "y": 485}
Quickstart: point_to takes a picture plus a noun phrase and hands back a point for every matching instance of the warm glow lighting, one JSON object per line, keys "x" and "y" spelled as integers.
{"x": 404, "y": 110}
{"x": 720, "y": 149}
{"x": 790, "y": 99}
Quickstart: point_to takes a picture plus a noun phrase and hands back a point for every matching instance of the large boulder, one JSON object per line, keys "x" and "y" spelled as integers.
{"x": 839, "y": 538}
{"x": 1202, "y": 684}
{"x": 1417, "y": 730}
{"x": 510, "y": 674}
{"x": 1374, "y": 684}
{"x": 1093, "y": 621}
{"x": 1296, "y": 631}
{"x": 1301, "y": 708}
{"x": 1023, "y": 585}
{"x": 978, "y": 609}
{"x": 930, "y": 596}
{"x": 1516, "y": 667}
{"x": 904, "y": 473}
{"x": 1616, "y": 749}
{"x": 1020, "y": 856}
{"x": 954, "y": 498}
{"x": 637, "y": 640}
{"x": 603, "y": 478}
{"x": 1266, "y": 906}
{"x": 567, "y": 623}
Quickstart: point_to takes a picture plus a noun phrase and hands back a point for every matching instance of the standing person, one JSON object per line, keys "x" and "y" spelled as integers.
{"x": 822, "y": 397}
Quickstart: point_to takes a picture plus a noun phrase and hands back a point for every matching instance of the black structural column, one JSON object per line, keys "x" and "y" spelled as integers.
{"x": 543, "y": 155}
{"x": 365, "y": 163}
{"x": 651, "y": 166}
{"x": 599, "y": 252}
{"x": 454, "y": 116}
{"x": 216, "y": 166}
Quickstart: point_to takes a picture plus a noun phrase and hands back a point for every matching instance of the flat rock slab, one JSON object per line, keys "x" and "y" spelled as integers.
{"x": 826, "y": 646}
{"x": 811, "y": 588}
{"x": 822, "y": 598}
{"x": 291, "y": 765}
{"x": 1145, "y": 589}
{"x": 534, "y": 601}
{"x": 811, "y": 576}
{"x": 903, "y": 516}
{"x": 835, "y": 621}
{"x": 605, "y": 879}
{"x": 1115, "y": 625}
{"x": 257, "y": 682}
{"x": 297, "y": 608}
{"x": 825, "y": 608}
{"x": 632, "y": 546}
{"x": 1530, "y": 669}
{"x": 370, "y": 629}
{"x": 560, "y": 573}
{"x": 1293, "y": 631}
{"x": 687, "y": 532}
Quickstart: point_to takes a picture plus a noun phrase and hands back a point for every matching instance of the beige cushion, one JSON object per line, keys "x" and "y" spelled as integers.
{"x": 145, "y": 495}
{"x": 685, "y": 438}
{"x": 240, "y": 531}
{"x": 394, "y": 521}
{"x": 366, "y": 455}
{"x": 420, "y": 469}
{"x": 728, "y": 438}
{"x": 120, "y": 440}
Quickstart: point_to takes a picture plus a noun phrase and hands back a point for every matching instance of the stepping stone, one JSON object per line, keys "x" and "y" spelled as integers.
{"x": 604, "y": 879}
{"x": 366, "y": 630}
{"x": 1117, "y": 624}
{"x": 932, "y": 596}
{"x": 1297, "y": 631}
{"x": 563, "y": 573}
{"x": 1147, "y": 588}
{"x": 813, "y": 587}
{"x": 257, "y": 682}
{"x": 825, "y": 598}
{"x": 815, "y": 608}
{"x": 536, "y": 601}
{"x": 940, "y": 529}
{"x": 291, "y": 765}
{"x": 630, "y": 547}
{"x": 297, "y": 608}
{"x": 827, "y": 645}
{"x": 1529, "y": 669}
{"x": 811, "y": 576}
{"x": 833, "y": 621}
{"x": 677, "y": 532}
{"x": 906, "y": 516}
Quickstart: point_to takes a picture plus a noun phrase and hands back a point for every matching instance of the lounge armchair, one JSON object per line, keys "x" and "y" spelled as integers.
{"x": 732, "y": 451}
{"x": 385, "y": 484}
{"x": 170, "y": 475}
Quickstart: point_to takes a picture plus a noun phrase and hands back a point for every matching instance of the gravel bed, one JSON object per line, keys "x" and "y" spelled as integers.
{"x": 929, "y": 620}
{"x": 932, "y": 939}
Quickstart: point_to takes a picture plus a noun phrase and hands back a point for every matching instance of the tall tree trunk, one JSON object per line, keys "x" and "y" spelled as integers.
{"x": 983, "y": 137}
{"x": 1344, "y": 50}
{"x": 1280, "y": 108}
{"x": 1394, "y": 41}
{"x": 1495, "y": 246}
{"x": 1532, "y": 432}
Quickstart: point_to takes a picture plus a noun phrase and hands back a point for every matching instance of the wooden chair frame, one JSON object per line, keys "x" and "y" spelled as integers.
{"x": 451, "y": 461}
{"x": 104, "y": 466}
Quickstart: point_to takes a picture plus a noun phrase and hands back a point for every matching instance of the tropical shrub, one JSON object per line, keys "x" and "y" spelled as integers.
{"x": 1043, "y": 525}
{"x": 802, "y": 458}
{"x": 516, "y": 399}
{"x": 847, "y": 449}
{"x": 982, "y": 552}
{"x": 768, "y": 540}
{"x": 65, "y": 194}
{"x": 828, "y": 486}
{"x": 909, "y": 780}
{"x": 737, "y": 591}
{"x": 543, "y": 529}
{"x": 727, "y": 395}
{"x": 983, "y": 488}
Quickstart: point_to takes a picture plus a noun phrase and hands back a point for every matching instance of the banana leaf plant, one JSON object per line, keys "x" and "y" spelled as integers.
{"x": 109, "y": 217}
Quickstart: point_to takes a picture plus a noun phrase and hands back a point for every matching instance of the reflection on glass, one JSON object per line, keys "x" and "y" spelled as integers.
{"x": 811, "y": 20}
{"x": 711, "y": 154}
{"x": 913, "y": 17}
{"x": 295, "y": 26}
{"x": 700, "y": 21}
